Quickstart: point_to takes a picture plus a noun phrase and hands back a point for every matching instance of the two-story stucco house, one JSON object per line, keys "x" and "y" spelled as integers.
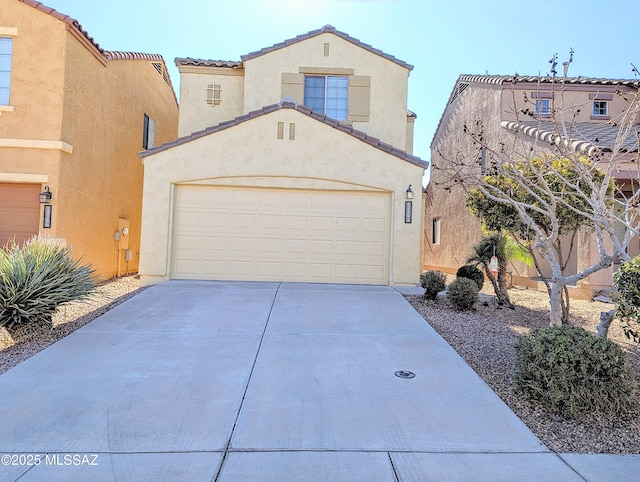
{"x": 294, "y": 164}
{"x": 516, "y": 118}
{"x": 73, "y": 118}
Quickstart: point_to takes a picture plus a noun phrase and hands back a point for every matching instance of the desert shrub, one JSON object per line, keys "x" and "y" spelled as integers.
{"x": 473, "y": 273}
{"x": 462, "y": 294}
{"x": 433, "y": 283}
{"x": 37, "y": 277}
{"x": 627, "y": 298}
{"x": 571, "y": 372}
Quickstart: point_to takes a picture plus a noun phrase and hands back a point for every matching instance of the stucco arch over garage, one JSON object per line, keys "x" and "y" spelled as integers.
{"x": 283, "y": 148}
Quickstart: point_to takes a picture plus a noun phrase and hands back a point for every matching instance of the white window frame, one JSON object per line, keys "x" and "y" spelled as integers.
{"x": 326, "y": 88}
{"x": 597, "y": 110}
{"x": 7, "y": 58}
{"x": 543, "y": 107}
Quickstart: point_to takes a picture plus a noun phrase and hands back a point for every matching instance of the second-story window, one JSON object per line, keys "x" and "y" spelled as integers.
{"x": 214, "y": 94}
{"x": 600, "y": 107}
{"x": 543, "y": 106}
{"x": 148, "y": 133}
{"x": 327, "y": 94}
{"x": 5, "y": 69}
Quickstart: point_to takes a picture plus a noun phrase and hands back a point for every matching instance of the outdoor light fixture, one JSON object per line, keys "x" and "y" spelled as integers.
{"x": 45, "y": 196}
{"x": 409, "y": 192}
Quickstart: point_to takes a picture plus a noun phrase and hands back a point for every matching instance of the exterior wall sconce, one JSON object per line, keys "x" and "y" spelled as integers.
{"x": 409, "y": 192}
{"x": 45, "y": 196}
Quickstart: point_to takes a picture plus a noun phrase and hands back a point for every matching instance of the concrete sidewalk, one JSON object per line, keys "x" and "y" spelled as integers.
{"x": 203, "y": 381}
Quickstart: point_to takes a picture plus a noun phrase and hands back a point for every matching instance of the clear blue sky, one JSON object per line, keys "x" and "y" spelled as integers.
{"x": 441, "y": 38}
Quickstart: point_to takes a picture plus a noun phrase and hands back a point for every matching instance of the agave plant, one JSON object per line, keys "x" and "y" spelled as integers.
{"x": 36, "y": 278}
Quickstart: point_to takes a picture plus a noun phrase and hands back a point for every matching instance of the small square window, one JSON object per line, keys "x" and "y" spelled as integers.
{"x": 543, "y": 106}
{"x": 600, "y": 107}
{"x": 214, "y": 94}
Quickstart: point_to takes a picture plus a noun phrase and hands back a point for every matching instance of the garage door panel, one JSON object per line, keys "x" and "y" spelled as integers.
{"x": 347, "y": 271}
{"x": 215, "y": 244}
{"x": 219, "y": 220}
{"x": 353, "y": 248}
{"x": 325, "y": 224}
{"x": 296, "y": 224}
{"x": 348, "y": 225}
{"x": 281, "y": 235}
{"x": 19, "y": 211}
{"x": 370, "y": 225}
{"x": 373, "y": 249}
{"x": 243, "y": 269}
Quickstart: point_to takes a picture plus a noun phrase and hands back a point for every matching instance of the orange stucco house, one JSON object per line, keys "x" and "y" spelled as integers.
{"x": 73, "y": 118}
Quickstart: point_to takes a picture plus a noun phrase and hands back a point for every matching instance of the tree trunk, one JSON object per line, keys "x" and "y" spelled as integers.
{"x": 555, "y": 303}
{"x": 606, "y": 318}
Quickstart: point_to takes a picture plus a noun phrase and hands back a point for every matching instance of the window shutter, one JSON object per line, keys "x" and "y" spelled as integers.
{"x": 359, "y": 97}
{"x": 293, "y": 86}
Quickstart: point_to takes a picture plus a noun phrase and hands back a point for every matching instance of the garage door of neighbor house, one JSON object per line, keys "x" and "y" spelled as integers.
{"x": 19, "y": 211}
{"x": 235, "y": 233}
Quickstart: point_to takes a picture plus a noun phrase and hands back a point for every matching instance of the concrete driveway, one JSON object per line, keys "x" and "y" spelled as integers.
{"x": 204, "y": 381}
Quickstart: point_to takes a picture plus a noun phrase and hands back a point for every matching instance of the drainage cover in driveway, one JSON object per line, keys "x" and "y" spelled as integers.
{"x": 404, "y": 374}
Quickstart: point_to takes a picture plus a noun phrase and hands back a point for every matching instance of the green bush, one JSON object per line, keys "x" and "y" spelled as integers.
{"x": 627, "y": 298}
{"x": 573, "y": 373}
{"x": 462, "y": 294}
{"x": 433, "y": 283}
{"x": 37, "y": 277}
{"x": 473, "y": 273}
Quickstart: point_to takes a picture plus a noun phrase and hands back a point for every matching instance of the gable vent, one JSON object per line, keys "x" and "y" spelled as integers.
{"x": 460, "y": 88}
{"x": 160, "y": 68}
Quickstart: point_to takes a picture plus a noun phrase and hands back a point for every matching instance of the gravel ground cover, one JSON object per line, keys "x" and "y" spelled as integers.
{"x": 485, "y": 339}
{"x": 24, "y": 342}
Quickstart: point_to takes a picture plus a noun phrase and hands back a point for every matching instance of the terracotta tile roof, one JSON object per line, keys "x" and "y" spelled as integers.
{"x": 207, "y": 63}
{"x": 299, "y": 38}
{"x": 113, "y": 55}
{"x": 286, "y": 104}
{"x": 586, "y": 137}
{"x": 509, "y": 79}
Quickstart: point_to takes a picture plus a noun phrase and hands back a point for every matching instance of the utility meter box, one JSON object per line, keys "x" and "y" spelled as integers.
{"x": 123, "y": 229}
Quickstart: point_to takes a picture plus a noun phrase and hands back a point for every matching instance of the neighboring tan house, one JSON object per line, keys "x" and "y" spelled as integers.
{"x": 73, "y": 118}
{"x": 293, "y": 164}
{"x": 515, "y": 114}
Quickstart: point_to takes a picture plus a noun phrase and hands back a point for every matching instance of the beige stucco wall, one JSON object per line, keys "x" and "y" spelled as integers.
{"x": 459, "y": 228}
{"x": 320, "y": 157}
{"x": 389, "y": 81}
{"x": 195, "y": 113}
{"x": 62, "y": 93}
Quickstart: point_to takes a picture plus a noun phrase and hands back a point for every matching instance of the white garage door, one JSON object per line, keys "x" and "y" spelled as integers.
{"x": 234, "y": 233}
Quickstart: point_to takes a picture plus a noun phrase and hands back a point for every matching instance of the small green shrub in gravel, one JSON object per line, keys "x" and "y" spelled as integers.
{"x": 573, "y": 373}
{"x": 37, "y": 277}
{"x": 627, "y": 297}
{"x": 462, "y": 294}
{"x": 473, "y": 273}
{"x": 433, "y": 283}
